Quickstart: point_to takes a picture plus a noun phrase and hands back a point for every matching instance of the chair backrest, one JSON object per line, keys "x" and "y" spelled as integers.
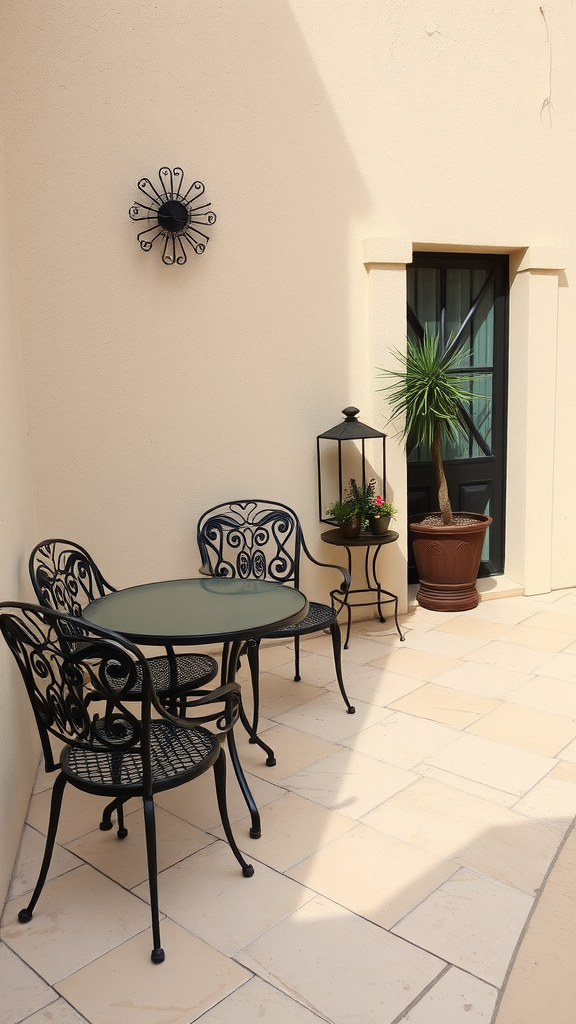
{"x": 251, "y": 539}
{"x": 65, "y": 577}
{"x": 77, "y": 691}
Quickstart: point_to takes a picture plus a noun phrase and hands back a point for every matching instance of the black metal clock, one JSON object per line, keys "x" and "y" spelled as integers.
{"x": 174, "y": 215}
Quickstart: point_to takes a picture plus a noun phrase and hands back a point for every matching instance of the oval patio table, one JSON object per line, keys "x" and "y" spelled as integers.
{"x": 188, "y": 612}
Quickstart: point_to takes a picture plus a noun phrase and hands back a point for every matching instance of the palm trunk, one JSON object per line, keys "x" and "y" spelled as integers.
{"x": 443, "y": 499}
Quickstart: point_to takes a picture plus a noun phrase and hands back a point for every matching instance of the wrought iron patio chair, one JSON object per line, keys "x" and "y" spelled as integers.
{"x": 80, "y": 697}
{"x": 66, "y": 579}
{"x": 257, "y": 539}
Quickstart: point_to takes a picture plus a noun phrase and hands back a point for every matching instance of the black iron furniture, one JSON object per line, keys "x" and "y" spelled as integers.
{"x": 373, "y": 585}
{"x": 79, "y": 697}
{"x": 263, "y": 540}
{"x": 203, "y": 611}
{"x": 66, "y": 579}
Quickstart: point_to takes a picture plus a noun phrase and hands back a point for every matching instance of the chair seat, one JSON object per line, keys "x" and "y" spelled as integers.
{"x": 319, "y": 617}
{"x": 192, "y": 670}
{"x": 176, "y": 753}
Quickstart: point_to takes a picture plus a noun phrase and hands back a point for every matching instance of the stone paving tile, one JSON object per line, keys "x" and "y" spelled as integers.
{"x": 393, "y": 841}
{"x": 471, "y": 922}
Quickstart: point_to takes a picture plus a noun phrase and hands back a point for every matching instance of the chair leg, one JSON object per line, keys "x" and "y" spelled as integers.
{"x": 252, "y": 652}
{"x": 220, "y": 780}
{"x": 157, "y": 955}
{"x": 56, "y": 803}
{"x": 296, "y": 659}
{"x": 337, "y": 647}
{"x": 270, "y": 759}
{"x": 106, "y": 824}
{"x": 256, "y": 828}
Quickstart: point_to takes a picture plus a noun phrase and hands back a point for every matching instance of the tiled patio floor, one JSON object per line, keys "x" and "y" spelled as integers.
{"x": 402, "y": 846}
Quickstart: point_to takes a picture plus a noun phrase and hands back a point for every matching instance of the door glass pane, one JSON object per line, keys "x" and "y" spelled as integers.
{"x": 481, "y": 412}
{"x": 424, "y": 296}
{"x": 462, "y": 289}
{"x": 483, "y": 328}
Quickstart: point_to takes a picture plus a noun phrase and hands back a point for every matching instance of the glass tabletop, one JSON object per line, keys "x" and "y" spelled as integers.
{"x": 196, "y": 611}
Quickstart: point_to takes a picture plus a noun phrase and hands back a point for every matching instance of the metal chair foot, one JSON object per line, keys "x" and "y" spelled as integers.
{"x": 248, "y": 871}
{"x": 255, "y": 833}
{"x": 351, "y": 710}
{"x": 157, "y": 956}
{"x": 270, "y": 761}
{"x": 24, "y": 916}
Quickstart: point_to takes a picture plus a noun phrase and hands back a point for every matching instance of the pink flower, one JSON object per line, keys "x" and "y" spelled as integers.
{"x": 378, "y": 499}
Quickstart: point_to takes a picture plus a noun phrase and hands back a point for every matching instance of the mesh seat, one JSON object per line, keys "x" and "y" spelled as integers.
{"x": 255, "y": 539}
{"x": 319, "y": 617}
{"x": 177, "y": 754}
{"x": 77, "y": 693}
{"x": 66, "y": 579}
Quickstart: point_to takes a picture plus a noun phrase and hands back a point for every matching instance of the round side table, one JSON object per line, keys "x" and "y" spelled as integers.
{"x": 373, "y": 585}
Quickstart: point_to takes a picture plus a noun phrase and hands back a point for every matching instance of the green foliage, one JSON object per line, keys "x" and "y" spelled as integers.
{"x": 343, "y": 511}
{"x": 360, "y": 500}
{"x": 427, "y": 392}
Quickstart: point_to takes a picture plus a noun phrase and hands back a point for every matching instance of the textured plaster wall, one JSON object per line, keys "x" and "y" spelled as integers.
{"x": 18, "y": 744}
{"x": 154, "y": 392}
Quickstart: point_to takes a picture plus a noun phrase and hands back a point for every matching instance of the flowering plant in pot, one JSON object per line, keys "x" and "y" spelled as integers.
{"x": 374, "y": 511}
{"x": 430, "y": 396}
{"x": 383, "y": 512}
{"x": 346, "y": 513}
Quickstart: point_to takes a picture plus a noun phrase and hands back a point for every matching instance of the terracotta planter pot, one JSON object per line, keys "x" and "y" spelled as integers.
{"x": 351, "y": 528}
{"x": 379, "y": 524}
{"x": 447, "y": 559}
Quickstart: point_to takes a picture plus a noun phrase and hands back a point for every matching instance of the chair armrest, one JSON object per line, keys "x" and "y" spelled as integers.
{"x": 345, "y": 585}
{"x": 223, "y": 718}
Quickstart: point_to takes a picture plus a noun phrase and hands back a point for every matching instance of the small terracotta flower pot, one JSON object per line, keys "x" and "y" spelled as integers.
{"x": 351, "y": 528}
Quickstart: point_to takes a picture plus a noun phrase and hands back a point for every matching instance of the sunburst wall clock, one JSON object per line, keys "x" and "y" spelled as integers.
{"x": 174, "y": 215}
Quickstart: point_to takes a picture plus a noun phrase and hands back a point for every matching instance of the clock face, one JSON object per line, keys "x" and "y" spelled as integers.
{"x": 173, "y": 215}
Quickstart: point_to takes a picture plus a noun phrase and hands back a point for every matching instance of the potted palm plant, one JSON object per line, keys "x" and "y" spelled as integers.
{"x": 430, "y": 396}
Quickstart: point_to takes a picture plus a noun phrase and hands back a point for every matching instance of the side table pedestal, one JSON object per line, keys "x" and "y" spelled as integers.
{"x": 378, "y": 596}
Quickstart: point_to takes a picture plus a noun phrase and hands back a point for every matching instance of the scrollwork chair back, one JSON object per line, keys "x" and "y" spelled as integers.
{"x": 65, "y": 577}
{"x": 251, "y": 540}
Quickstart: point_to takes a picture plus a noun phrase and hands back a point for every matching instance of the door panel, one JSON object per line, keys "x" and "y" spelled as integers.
{"x": 464, "y": 298}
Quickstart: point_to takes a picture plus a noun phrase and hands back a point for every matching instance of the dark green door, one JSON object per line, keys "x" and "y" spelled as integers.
{"x": 464, "y": 298}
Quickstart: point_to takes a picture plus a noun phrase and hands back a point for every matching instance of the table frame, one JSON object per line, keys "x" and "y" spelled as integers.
{"x": 232, "y": 642}
{"x": 373, "y": 585}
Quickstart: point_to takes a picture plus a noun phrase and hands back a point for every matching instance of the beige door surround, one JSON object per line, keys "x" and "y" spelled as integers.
{"x": 534, "y": 282}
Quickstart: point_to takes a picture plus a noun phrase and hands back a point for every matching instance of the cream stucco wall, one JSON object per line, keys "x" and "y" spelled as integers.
{"x": 19, "y": 747}
{"x": 316, "y": 125}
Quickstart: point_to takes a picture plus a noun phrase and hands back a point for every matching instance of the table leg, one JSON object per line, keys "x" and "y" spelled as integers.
{"x": 381, "y": 591}
{"x": 348, "y": 608}
{"x": 255, "y": 829}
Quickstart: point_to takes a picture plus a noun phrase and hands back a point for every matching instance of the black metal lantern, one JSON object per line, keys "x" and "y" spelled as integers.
{"x": 350, "y": 450}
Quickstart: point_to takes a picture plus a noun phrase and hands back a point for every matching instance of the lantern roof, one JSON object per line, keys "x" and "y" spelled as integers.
{"x": 351, "y": 429}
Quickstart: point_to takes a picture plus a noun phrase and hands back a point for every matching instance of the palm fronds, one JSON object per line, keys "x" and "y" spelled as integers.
{"x": 427, "y": 393}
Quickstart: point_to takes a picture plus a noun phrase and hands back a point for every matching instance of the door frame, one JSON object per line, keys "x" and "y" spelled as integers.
{"x": 535, "y": 559}
{"x": 472, "y": 473}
